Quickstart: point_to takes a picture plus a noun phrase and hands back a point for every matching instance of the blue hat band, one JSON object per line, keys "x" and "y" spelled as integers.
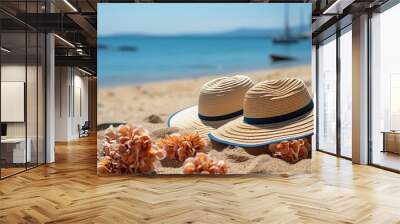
{"x": 281, "y": 118}
{"x": 221, "y": 117}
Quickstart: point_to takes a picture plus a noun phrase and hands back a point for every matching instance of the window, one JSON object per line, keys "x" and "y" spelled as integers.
{"x": 22, "y": 88}
{"x": 327, "y": 96}
{"x": 346, "y": 93}
{"x": 385, "y": 89}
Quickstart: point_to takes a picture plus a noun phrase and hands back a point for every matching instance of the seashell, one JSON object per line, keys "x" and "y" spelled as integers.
{"x": 110, "y": 135}
{"x": 201, "y": 157}
{"x": 213, "y": 169}
{"x": 202, "y": 164}
{"x": 291, "y": 151}
{"x": 221, "y": 163}
{"x": 161, "y": 154}
{"x": 222, "y": 167}
{"x": 188, "y": 168}
{"x": 189, "y": 160}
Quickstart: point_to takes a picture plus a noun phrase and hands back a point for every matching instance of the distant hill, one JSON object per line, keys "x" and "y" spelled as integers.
{"x": 242, "y": 32}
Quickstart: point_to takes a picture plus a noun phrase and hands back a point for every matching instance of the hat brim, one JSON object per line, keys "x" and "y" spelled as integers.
{"x": 188, "y": 118}
{"x": 240, "y": 134}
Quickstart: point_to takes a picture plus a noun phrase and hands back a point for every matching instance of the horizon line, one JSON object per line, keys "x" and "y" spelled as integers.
{"x": 195, "y": 33}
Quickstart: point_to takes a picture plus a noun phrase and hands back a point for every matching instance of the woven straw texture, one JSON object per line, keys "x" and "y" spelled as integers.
{"x": 269, "y": 99}
{"x": 275, "y": 98}
{"x": 220, "y": 96}
{"x": 223, "y": 95}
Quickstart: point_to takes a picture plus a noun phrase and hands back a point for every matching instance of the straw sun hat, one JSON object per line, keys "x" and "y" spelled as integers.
{"x": 274, "y": 111}
{"x": 220, "y": 101}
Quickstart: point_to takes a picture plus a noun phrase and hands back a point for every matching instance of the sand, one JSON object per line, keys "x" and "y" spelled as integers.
{"x": 150, "y": 105}
{"x": 239, "y": 160}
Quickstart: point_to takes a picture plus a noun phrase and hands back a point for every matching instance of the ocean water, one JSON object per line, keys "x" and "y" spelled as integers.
{"x": 164, "y": 58}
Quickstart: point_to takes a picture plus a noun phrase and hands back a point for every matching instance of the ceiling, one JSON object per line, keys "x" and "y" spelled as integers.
{"x": 74, "y": 22}
{"x": 332, "y": 15}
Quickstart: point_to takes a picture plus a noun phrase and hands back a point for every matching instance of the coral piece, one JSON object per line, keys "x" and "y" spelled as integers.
{"x": 291, "y": 151}
{"x": 181, "y": 147}
{"x": 105, "y": 165}
{"x": 194, "y": 140}
{"x": 127, "y": 150}
{"x": 170, "y": 145}
{"x": 110, "y": 135}
{"x": 202, "y": 164}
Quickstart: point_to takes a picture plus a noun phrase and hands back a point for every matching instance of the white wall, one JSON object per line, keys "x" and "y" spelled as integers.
{"x": 62, "y": 81}
{"x": 17, "y": 73}
{"x": 70, "y": 84}
{"x": 80, "y": 94}
{"x": 33, "y": 127}
{"x": 14, "y": 73}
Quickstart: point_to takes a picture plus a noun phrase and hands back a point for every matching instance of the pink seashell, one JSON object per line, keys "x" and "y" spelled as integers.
{"x": 214, "y": 169}
{"x": 291, "y": 151}
{"x": 188, "y": 168}
{"x": 161, "y": 154}
{"x": 189, "y": 160}
{"x": 202, "y": 164}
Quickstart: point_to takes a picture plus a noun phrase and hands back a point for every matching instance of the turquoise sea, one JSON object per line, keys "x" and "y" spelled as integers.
{"x": 138, "y": 59}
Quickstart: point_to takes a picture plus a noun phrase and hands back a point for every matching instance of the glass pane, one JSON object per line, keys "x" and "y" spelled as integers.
{"x": 385, "y": 86}
{"x": 327, "y": 96}
{"x": 13, "y": 88}
{"x": 41, "y": 98}
{"x": 346, "y": 94}
{"x": 31, "y": 98}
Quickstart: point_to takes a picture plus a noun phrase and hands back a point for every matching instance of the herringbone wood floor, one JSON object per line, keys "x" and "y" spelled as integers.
{"x": 70, "y": 192}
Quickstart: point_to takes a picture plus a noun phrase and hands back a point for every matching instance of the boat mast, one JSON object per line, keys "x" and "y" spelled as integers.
{"x": 303, "y": 21}
{"x": 287, "y": 31}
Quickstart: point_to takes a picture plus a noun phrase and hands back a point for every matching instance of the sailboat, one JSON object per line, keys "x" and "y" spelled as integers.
{"x": 286, "y": 38}
{"x": 304, "y": 34}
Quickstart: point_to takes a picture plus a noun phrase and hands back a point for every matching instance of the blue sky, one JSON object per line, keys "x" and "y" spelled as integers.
{"x": 171, "y": 19}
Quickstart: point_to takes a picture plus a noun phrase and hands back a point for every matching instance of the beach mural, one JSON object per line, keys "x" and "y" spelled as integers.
{"x": 204, "y": 89}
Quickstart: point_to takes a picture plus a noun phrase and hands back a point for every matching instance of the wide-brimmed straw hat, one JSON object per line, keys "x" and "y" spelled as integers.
{"x": 274, "y": 111}
{"x": 220, "y": 101}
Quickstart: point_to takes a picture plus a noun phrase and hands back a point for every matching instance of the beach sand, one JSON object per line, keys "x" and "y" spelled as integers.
{"x": 150, "y": 105}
